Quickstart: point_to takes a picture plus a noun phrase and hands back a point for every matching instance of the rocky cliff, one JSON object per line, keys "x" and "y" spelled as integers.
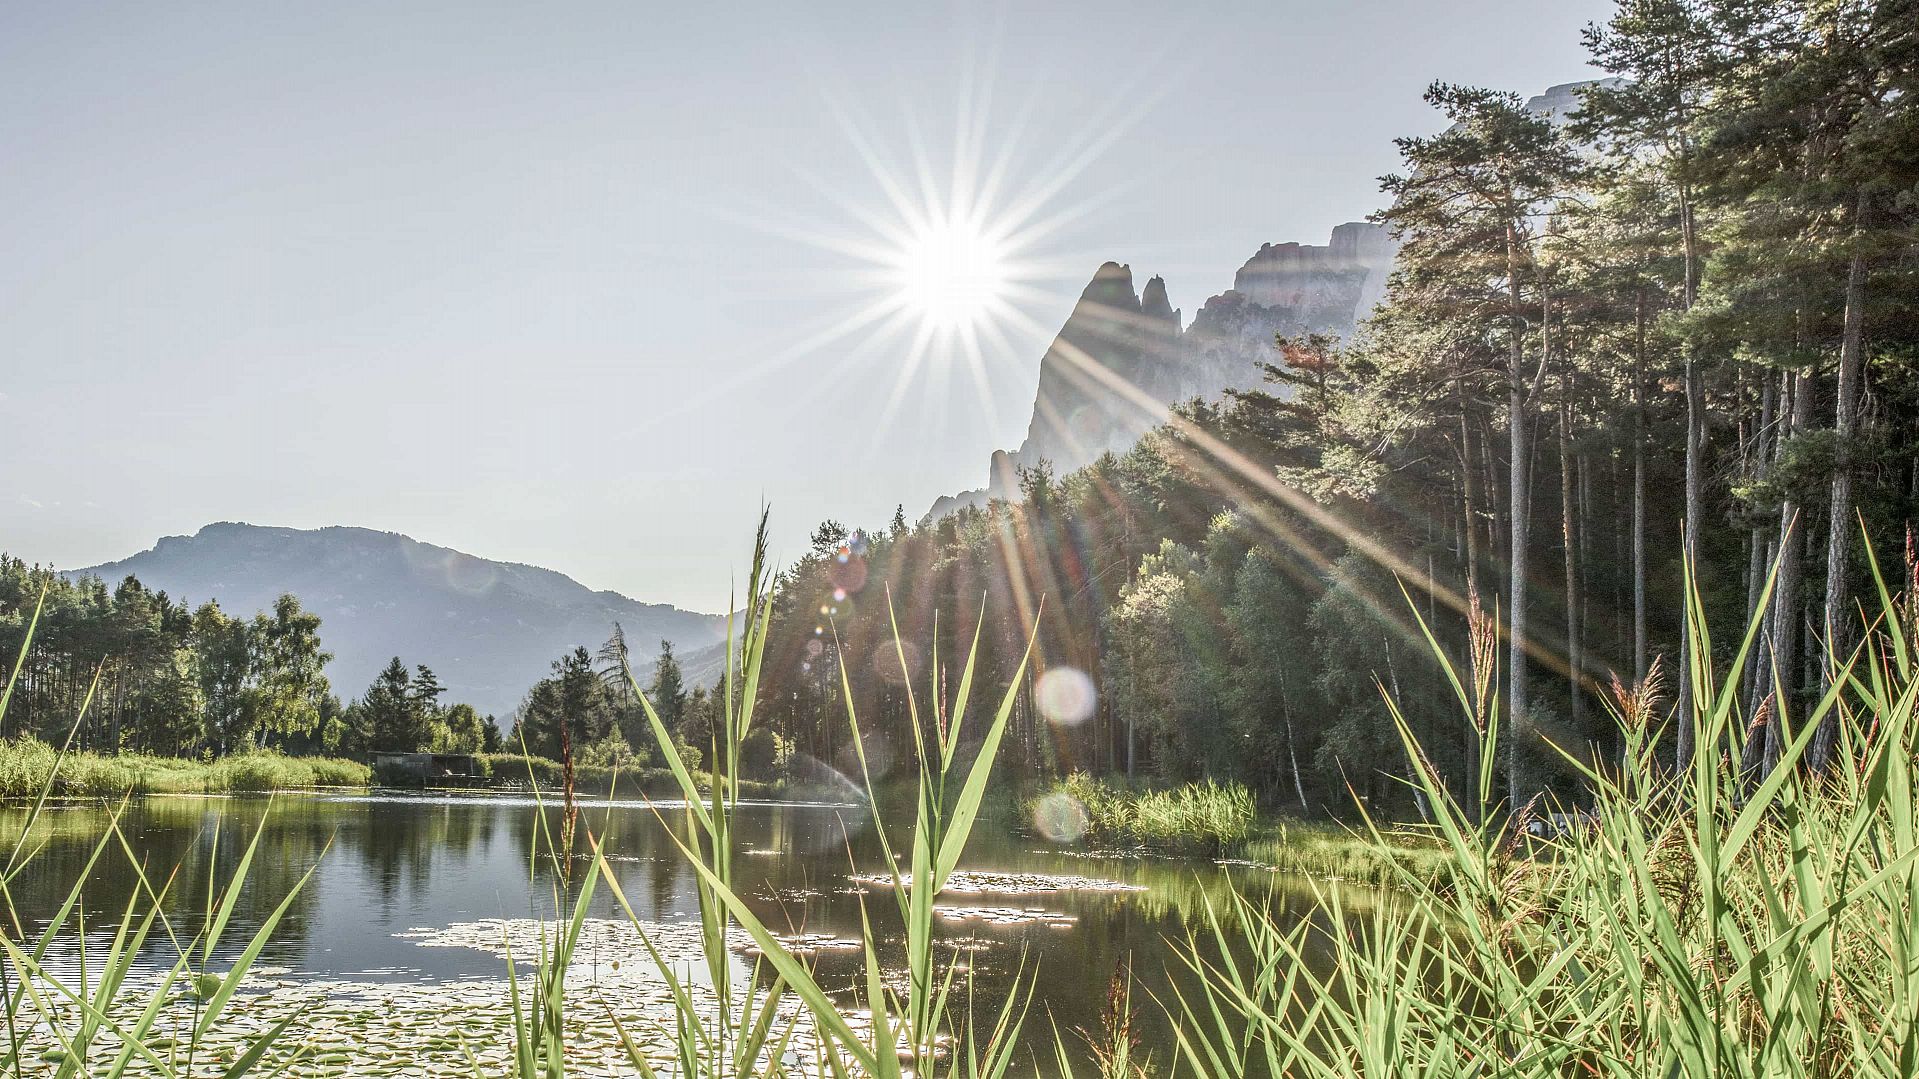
{"x": 1123, "y": 360}
{"x": 1123, "y": 357}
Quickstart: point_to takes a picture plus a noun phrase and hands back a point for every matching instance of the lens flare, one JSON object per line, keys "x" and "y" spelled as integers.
{"x": 1060, "y": 818}
{"x": 1066, "y": 696}
{"x": 848, "y": 574}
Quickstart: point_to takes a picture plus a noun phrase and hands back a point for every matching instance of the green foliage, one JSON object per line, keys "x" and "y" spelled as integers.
{"x": 268, "y": 771}
{"x": 519, "y": 768}
{"x": 668, "y": 691}
{"x": 1718, "y": 920}
{"x": 765, "y": 755}
{"x": 1198, "y": 818}
{"x": 389, "y": 717}
{"x": 571, "y": 709}
{"x": 1327, "y": 851}
{"x": 466, "y": 731}
{"x": 611, "y": 752}
{"x": 27, "y": 766}
{"x": 193, "y": 683}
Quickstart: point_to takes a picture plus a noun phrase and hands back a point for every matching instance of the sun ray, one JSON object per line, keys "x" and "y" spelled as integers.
{"x": 948, "y": 251}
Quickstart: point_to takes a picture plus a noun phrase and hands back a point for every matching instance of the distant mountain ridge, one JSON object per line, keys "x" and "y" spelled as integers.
{"x": 488, "y": 629}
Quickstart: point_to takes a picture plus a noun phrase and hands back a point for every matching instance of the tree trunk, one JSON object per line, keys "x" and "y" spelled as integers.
{"x": 1695, "y": 497}
{"x": 1759, "y": 543}
{"x": 1568, "y": 530}
{"x": 1840, "y": 531}
{"x": 1292, "y": 743}
{"x": 1639, "y": 659}
{"x": 1132, "y": 706}
{"x": 1786, "y": 615}
{"x": 1468, "y": 470}
{"x": 1518, "y": 481}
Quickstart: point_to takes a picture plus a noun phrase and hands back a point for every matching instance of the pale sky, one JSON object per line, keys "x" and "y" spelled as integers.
{"x": 547, "y": 282}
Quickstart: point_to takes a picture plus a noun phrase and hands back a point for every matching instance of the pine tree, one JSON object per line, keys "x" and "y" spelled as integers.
{"x": 1467, "y": 206}
{"x": 388, "y": 713}
{"x": 668, "y": 691}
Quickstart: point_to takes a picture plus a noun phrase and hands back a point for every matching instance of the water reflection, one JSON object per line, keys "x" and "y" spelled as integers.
{"x": 396, "y": 866}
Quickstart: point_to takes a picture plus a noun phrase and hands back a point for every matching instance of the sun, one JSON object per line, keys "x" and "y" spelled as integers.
{"x": 955, "y": 273}
{"x": 946, "y": 270}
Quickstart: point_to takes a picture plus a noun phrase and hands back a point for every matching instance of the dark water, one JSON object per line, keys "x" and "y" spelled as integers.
{"x": 387, "y": 865}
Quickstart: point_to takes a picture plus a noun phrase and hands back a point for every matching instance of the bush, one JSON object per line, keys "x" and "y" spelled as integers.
{"x": 87, "y": 774}
{"x": 26, "y": 763}
{"x": 509, "y": 769}
{"x": 24, "y": 767}
{"x": 612, "y": 752}
{"x": 266, "y": 770}
{"x": 764, "y": 756}
{"x": 259, "y": 772}
{"x": 1201, "y": 818}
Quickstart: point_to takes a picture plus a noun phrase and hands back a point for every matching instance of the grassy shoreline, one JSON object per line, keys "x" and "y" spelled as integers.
{"x": 1330, "y": 851}
{"x": 27, "y": 767}
{"x": 1208, "y": 820}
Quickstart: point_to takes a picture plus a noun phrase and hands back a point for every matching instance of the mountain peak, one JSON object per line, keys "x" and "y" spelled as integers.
{"x": 1153, "y": 302}
{"x": 489, "y": 628}
{"x": 1111, "y": 286}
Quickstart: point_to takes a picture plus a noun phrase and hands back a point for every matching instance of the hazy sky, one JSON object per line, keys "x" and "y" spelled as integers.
{"x": 559, "y": 283}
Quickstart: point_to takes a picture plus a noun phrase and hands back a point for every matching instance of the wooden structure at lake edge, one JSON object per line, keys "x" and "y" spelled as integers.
{"x": 428, "y": 769}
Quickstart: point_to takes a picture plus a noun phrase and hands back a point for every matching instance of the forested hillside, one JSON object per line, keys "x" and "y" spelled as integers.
{"x": 1679, "y": 326}
{"x": 489, "y": 627}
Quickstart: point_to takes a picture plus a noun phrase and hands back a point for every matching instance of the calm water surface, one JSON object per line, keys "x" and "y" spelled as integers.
{"x": 393, "y": 864}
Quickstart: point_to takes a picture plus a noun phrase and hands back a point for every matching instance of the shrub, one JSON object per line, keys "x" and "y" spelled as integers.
{"x": 267, "y": 770}
{"x": 26, "y": 763}
{"x": 613, "y": 751}
{"x": 509, "y": 769}
{"x": 24, "y": 766}
{"x": 336, "y": 772}
{"x": 765, "y": 756}
{"x": 1202, "y": 818}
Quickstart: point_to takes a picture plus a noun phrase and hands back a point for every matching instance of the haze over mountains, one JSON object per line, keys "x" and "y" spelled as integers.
{"x": 488, "y": 629}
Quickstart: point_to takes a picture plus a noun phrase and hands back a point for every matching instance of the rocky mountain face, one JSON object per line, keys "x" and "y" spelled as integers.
{"x": 488, "y": 629}
{"x": 1123, "y": 358}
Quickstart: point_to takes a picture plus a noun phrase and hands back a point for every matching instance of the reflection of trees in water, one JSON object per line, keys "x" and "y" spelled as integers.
{"x": 190, "y": 847}
{"x": 396, "y": 851}
{"x": 398, "y": 843}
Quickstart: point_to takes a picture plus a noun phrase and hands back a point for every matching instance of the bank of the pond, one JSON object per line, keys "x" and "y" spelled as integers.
{"x": 508, "y": 771}
{"x": 27, "y": 768}
{"x": 1211, "y": 820}
{"x": 1199, "y": 818}
{"x": 1329, "y": 851}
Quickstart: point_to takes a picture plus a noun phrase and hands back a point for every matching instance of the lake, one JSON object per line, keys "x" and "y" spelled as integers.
{"x": 412, "y": 894}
